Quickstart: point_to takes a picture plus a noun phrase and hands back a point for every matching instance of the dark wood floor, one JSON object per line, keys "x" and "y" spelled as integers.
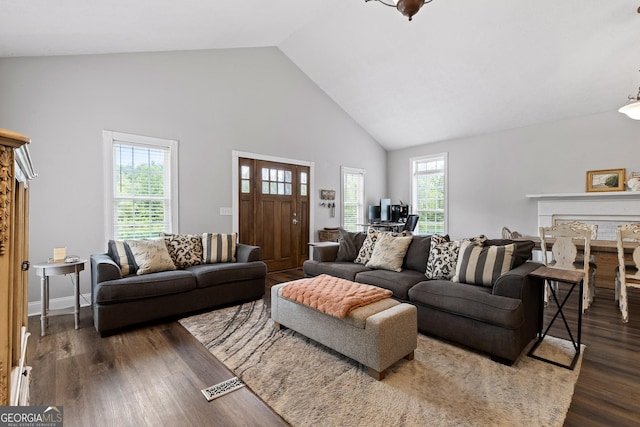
{"x": 153, "y": 375}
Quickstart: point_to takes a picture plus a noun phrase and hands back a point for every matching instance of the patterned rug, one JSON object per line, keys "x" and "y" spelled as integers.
{"x": 311, "y": 385}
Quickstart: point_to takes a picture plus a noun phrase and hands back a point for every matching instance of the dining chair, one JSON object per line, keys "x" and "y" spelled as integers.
{"x": 627, "y": 274}
{"x": 508, "y": 234}
{"x": 412, "y": 221}
{"x": 593, "y": 267}
{"x": 564, "y": 253}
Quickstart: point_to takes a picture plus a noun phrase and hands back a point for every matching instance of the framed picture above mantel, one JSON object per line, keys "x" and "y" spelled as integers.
{"x": 606, "y": 180}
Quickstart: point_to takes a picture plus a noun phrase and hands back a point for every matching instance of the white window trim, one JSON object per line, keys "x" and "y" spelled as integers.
{"x": 351, "y": 170}
{"x": 108, "y": 138}
{"x": 412, "y": 180}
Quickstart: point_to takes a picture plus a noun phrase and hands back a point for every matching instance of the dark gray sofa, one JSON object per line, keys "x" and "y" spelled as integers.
{"x": 500, "y": 320}
{"x": 118, "y": 302}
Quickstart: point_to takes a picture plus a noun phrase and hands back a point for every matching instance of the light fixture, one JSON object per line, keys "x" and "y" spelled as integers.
{"x": 406, "y": 7}
{"x": 632, "y": 110}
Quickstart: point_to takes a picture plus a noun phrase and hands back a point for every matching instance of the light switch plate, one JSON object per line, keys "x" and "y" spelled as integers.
{"x": 225, "y": 211}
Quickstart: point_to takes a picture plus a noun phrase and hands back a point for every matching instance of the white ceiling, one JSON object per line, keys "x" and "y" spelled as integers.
{"x": 460, "y": 68}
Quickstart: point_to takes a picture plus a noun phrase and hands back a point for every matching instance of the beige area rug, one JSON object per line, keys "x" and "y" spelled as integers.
{"x": 311, "y": 385}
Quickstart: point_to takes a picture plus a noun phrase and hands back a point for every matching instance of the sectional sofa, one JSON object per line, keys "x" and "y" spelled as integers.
{"x": 499, "y": 317}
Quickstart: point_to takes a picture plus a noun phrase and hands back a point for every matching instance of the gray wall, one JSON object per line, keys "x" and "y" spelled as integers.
{"x": 212, "y": 102}
{"x": 489, "y": 175}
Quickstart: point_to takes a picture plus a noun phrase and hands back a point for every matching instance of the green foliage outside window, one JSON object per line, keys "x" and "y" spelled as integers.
{"x": 139, "y": 194}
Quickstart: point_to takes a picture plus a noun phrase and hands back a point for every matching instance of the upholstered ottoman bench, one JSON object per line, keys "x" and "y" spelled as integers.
{"x": 376, "y": 334}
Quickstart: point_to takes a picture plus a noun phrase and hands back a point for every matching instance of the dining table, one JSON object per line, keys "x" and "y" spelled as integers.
{"x": 605, "y": 253}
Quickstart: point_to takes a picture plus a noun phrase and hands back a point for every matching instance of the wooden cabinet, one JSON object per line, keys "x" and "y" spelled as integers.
{"x": 15, "y": 173}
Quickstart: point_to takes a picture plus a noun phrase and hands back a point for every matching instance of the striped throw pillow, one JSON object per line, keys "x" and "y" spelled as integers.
{"x": 120, "y": 252}
{"x": 482, "y": 265}
{"x": 218, "y": 247}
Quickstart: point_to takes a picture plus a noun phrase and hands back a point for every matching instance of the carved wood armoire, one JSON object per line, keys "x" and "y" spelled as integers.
{"x": 15, "y": 173}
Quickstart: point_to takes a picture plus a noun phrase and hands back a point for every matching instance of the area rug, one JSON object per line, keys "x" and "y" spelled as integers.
{"x": 445, "y": 385}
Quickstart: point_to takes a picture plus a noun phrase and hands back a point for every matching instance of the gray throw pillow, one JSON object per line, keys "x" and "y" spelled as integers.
{"x": 418, "y": 254}
{"x": 349, "y": 244}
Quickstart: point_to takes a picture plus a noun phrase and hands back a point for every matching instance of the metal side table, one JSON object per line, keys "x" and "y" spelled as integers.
{"x": 47, "y": 269}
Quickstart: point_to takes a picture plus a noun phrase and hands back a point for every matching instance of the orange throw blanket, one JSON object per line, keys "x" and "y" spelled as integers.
{"x": 333, "y": 295}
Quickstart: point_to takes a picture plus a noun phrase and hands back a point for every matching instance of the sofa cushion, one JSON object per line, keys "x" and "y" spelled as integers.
{"x": 217, "y": 274}
{"x": 133, "y": 288}
{"x": 364, "y": 255}
{"x": 120, "y": 252}
{"x": 418, "y": 254}
{"x": 482, "y": 265}
{"x": 443, "y": 257}
{"x": 346, "y": 270}
{"x": 398, "y": 283}
{"x": 389, "y": 251}
{"x": 349, "y": 244}
{"x": 523, "y": 249}
{"x": 185, "y": 249}
{"x": 151, "y": 255}
{"x": 475, "y": 302}
{"x": 218, "y": 247}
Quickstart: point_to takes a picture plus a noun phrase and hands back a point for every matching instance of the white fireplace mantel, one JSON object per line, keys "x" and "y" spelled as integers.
{"x": 608, "y": 209}
{"x": 606, "y": 195}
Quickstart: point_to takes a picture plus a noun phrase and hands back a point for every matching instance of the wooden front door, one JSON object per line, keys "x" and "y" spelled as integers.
{"x": 274, "y": 211}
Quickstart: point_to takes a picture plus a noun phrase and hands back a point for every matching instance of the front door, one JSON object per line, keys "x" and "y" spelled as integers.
{"x": 274, "y": 211}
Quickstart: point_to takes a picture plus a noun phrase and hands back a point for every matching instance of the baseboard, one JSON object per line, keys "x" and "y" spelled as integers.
{"x": 35, "y": 307}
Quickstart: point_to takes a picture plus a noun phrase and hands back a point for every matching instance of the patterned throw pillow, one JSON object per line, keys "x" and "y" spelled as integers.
{"x": 185, "y": 249}
{"x": 389, "y": 251}
{"x": 482, "y": 265}
{"x": 120, "y": 252}
{"x": 364, "y": 255}
{"x": 151, "y": 255}
{"x": 219, "y": 247}
{"x": 443, "y": 257}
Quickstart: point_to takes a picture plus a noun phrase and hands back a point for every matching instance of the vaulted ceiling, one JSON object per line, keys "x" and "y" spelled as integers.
{"x": 460, "y": 68}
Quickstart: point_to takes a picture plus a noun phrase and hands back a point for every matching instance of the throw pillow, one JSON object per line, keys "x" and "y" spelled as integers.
{"x": 219, "y": 247}
{"x": 349, "y": 244}
{"x": 120, "y": 252}
{"x": 151, "y": 255}
{"x": 482, "y": 265}
{"x": 523, "y": 249}
{"x": 364, "y": 255}
{"x": 184, "y": 249}
{"x": 418, "y": 253}
{"x": 389, "y": 251}
{"x": 443, "y": 257}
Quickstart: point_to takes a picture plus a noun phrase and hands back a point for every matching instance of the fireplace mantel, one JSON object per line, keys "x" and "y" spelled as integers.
{"x": 595, "y": 195}
{"x": 607, "y": 209}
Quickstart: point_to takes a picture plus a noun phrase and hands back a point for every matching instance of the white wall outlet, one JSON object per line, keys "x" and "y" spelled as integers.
{"x": 225, "y": 211}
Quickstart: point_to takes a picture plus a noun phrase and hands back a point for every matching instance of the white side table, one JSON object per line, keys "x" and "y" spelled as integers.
{"x": 47, "y": 269}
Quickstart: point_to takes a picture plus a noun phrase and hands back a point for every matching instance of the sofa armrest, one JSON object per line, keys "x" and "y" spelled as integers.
{"x": 325, "y": 253}
{"x": 247, "y": 253}
{"x": 512, "y": 283}
{"x": 103, "y": 268}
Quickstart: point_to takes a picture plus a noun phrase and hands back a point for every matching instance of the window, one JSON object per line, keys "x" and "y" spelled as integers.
{"x": 352, "y": 198}
{"x": 429, "y": 193}
{"x": 276, "y": 181}
{"x": 141, "y": 186}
